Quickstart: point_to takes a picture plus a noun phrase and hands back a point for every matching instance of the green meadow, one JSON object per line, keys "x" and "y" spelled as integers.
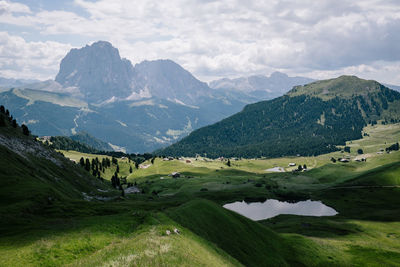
{"x": 132, "y": 230}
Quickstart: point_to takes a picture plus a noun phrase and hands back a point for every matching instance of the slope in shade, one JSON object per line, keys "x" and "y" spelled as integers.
{"x": 34, "y": 178}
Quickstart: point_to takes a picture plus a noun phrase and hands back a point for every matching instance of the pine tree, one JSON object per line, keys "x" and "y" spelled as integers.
{"x": 108, "y": 162}
{"x": 117, "y": 181}
{"x": 82, "y": 162}
{"x": 14, "y": 123}
{"x": 93, "y": 164}
{"x": 113, "y": 181}
{"x": 87, "y": 164}
{"x": 228, "y": 163}
{"x": 300, "y": 168}
{"x": 117, "y": 168}
{"x": 130, "y": 169}
{"x": 2, "y": 121}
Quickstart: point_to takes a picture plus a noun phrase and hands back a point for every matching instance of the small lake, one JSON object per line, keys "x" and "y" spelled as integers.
{"x": 272, "y": 207}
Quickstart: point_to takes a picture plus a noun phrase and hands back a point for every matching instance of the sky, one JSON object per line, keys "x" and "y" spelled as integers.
{"x": 211, "y": 39}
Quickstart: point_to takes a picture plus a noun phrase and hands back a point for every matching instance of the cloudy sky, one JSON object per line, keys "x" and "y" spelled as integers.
{"x": 212, "y": 39}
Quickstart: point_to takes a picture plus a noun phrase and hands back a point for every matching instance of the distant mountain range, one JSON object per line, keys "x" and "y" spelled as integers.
{"x": 393, "y": 87}
{"x": 9, "y": 82}
{"x": 261, "y": 87}
{"x": 308, "y": 120}
{"x": 134, "y": 108}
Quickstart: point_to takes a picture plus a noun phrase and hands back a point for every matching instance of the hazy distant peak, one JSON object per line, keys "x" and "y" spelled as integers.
{"x": 278, "y": 74}
{"x": 261, "y": 86}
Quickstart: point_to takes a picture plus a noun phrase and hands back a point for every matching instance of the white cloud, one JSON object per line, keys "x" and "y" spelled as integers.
{"x": 21, "y": 59}
{"x": 232, "y": 37}
{"x": 7, "y": 7}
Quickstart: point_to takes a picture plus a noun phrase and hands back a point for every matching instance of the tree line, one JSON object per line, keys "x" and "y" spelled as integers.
{"x": 7, "y": 119}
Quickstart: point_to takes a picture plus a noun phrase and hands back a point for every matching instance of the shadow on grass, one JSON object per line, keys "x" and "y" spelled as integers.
{"x": 329, "y": 227}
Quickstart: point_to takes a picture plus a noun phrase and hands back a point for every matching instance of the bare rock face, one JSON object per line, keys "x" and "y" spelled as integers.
{"x": 98, "y": 71}
{"x": 167, "y": 80}
{"x": 100, "y": 74}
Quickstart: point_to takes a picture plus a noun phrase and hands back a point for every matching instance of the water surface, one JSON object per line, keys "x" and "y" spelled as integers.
{"x": 272, "y": 207}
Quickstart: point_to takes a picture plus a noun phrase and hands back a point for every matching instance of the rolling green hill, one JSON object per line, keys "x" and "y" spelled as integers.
{"x": 34, "y": 179}
{"x": 310, "y": 120}
{"x": 249, "y": 242}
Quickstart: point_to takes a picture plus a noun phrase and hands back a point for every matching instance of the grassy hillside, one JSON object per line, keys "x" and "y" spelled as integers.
{"x": 306, "y": 121}
{"x": 209, "y": 235}
{"x": 134, "y": 239}
{"x": 366, "y": 230}
{"x": 35, "y": 179}
{"x": 216, "y": 176}
{"x": 249, "y": 242}
{"x": 55, "y": 98}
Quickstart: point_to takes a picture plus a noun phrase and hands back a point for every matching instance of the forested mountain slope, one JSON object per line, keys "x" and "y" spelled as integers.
{"x": 309, "y": 120}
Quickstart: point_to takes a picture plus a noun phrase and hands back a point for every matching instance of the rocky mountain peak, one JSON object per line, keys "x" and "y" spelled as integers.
{"x": 168, "y": 80}
{"x": 98, "y": 71}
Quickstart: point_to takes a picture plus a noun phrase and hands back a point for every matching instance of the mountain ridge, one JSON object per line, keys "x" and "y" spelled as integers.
{"x": 299, "y": 122}
{"x": 261, "y": 86}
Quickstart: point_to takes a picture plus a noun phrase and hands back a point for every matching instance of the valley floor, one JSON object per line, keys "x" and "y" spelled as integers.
{"x": 132, "y": 230}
